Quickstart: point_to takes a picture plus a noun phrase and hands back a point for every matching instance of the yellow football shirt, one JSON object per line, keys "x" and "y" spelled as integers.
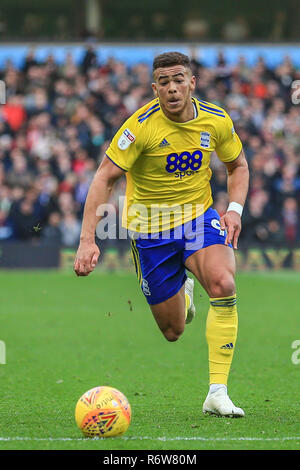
{"x": 167, "y": 163}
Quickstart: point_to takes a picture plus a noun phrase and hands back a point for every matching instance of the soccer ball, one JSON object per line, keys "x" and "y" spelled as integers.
{"x": 103, "y": 412}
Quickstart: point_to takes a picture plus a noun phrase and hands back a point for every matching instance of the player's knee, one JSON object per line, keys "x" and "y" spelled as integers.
{"x": 222, "y": 287}
{"x": 172, "y": 334}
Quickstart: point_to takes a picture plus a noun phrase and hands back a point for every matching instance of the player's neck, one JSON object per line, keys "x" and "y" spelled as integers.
{"x": 187, "y": 113}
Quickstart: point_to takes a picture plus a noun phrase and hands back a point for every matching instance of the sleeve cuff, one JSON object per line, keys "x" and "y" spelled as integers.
{"x": 123, "y": 169}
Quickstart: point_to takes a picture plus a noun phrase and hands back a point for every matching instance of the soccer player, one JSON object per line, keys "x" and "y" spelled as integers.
{"x": 164, "y": 149}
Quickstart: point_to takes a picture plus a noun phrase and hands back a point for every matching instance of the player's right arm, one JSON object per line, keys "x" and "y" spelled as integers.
{"x": 99, "y": 193}
{"x": 125, "y": 148}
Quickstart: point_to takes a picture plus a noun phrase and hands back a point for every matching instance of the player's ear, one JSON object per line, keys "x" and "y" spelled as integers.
{"x": 154, "y": 89}
{"x": 193, "y": 82}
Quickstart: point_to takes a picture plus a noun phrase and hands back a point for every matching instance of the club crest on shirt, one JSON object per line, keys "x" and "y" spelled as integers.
{"x": 205, "y": 139}
{"x": 126, "y": 139}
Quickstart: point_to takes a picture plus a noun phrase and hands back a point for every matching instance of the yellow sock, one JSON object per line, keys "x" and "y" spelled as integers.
{"x": 221, "y": 333}
{"x": 187, "y": 303}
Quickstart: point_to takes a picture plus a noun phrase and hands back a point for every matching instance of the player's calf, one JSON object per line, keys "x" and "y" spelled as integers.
{"x": 171, "y": 326}
{"x": 170, "y": 316}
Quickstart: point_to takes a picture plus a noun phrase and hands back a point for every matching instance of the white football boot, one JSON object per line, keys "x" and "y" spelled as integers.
{"x": 189, "y": 289}
{"x": 218, "y": 403}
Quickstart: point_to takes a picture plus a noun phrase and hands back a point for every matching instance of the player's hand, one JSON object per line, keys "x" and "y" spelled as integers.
{"x": 86, "y": 258}
{"x": 231, "y": 222}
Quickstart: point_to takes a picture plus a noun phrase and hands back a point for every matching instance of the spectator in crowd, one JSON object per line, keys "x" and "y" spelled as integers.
{"x": 6, "y": 228}
{"x": 279, "y": 24}
{"x": 236, "y": 30}
{"x": 275, "y": 234}
{"x": 89, "y": 59}
{"x": 70, "y": 230}
{"x": 24, "y": 219}
{"x": 51, "y": 234}
{"x": 290, "y": 216}
{"x": 195, "y": 26}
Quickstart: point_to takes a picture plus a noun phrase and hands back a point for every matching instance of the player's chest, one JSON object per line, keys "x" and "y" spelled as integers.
{"x": 176, "y": 151}
{"x": 188, "y": 139}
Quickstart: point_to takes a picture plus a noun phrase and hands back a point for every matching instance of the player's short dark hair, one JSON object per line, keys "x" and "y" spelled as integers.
{"x": 167, "y": 59}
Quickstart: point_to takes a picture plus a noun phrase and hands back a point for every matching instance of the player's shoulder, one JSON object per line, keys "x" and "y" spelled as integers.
{"x": 133, "y": 129}
{"x": 144, "y": 113}
{"x": 212, "y": 110}
{"x": 216, "y": 117}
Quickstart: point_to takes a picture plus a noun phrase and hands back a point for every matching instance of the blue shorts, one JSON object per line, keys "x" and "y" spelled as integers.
{"x": 160, "y": 258}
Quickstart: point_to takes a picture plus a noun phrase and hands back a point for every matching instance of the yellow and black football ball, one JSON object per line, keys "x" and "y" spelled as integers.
{"x": 103, "y": 412}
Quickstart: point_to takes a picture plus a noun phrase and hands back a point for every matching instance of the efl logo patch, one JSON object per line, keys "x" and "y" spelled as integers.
{"x": 126, "y": 139}
{"x": 205, "y": 139}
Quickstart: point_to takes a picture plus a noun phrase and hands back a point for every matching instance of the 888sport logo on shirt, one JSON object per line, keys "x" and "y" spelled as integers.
{"x": 184, "y": 163}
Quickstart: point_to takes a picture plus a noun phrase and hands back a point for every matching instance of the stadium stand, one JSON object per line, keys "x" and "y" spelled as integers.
{"x": 60, "y": 116}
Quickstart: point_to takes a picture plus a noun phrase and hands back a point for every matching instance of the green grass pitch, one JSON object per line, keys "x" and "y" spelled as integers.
{"x": 65, "y": 335}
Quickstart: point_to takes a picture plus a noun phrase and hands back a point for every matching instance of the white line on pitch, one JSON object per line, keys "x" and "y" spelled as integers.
{"x": 163, "y": 438}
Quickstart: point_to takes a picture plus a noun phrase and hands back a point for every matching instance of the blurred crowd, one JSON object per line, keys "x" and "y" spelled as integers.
{"x": 58, "y": 121}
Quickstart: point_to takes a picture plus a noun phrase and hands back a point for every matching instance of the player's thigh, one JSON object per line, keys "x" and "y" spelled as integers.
{"x": 170, "y": 315}
{"x": 161, "y": 275}
{"x": 214, "y": 267}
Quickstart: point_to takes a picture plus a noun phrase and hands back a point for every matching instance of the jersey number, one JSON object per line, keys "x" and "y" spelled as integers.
{"x": 184, "y": 161}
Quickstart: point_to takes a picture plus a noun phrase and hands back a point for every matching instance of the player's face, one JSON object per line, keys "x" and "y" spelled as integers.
{"x": 174, "y": 86}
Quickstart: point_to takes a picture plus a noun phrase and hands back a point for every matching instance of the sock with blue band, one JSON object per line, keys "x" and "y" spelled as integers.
{"x": 221, "y": 333}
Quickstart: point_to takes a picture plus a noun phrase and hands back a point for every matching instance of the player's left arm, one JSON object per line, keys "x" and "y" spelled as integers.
{"x": 237, "y": 185}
